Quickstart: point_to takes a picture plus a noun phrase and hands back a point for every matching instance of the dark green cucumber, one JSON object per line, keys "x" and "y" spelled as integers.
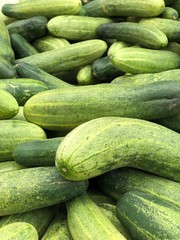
{"x": 148, "y": 217}
{"x": 51, "y": 8}
{"x": 7, "y": 20}
{"x": 14, "y": 132}
{"x": 108, "y": 143}
{"x": 49, "y": 109}
{"x": 18, "y": 231}
{"x": 142, "y": 60}
{"x": 172, "y": 122}
{"x": 92, "y": 222}
{"x": 174, "y": 47}
{"x": 76, "y": 28}
{"x": 30, "y": 28}
{"x": 37, "y": 152}
{"x": 149, "y": 37}
{"x": 21, "y": 46}
{"x": 22, "y": 89}
{"x": 33, "y": 188}
{"x": 176, "y": 5}
{"x": 26, "y": 70}
{"x": 115, "y": 183}
{"x": 169, "y": 26}
{"x": 106, "y": 8}
{"x": 8, "y": 105}
{"x": 76, "y": 55}
{"x": 39, "y": 218}
{"x": 7, "y": 70}
{"x": 10, "y": 166}
{"x": 170, "y": 13}
{"x": 6, "y": 49}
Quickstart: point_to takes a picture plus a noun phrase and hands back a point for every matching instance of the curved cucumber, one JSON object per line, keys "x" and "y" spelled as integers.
{"x": 108, "y": 143}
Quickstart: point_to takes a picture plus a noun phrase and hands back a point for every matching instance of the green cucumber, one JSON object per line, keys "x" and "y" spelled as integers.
{"x": 52, "y": 8}
{"x": 149, "y": 37}
{"x": 172, "y": 122}
{"x": 21, "y": 46}
{"x": 174, "y": 47}
{"x": 10, "y": 166}
{"x": 98, "y": 196}
{"x": 115, "y": 183}
{"x": 49, "y": 42}
{"x": 85, "y": 76}
{"x": 22, "y": 89}
{"x": 37, "y": 152}
{"x": 33, "y": 188}
{"x": 30, "y": 28}
{"x": 20, "y": 114}
{"x": 26, "y": 70}
{"x": 170, "y": 13}
{"x": 9, "y": 106}
{"x": 92, "y": 222}
{"x": 111, "y": 8}
{"x": 7, "y": 70}
{"x": 148, "y": 217}
{"x": 6, "y": 50}
{"x": 142, "y": 60}
{"x": 39, "y": 218}
{"x": 76, "y": 28}
{"x": 14, "y": 132}
{"x": 7, "y": 20}
{"x": 18, "y": 231}
{"x": 49, "y": 109}
{"x": 169, "y": 26}
{"x": 116, "y": 46}
{"x": 76, "y": 55}
{"x": 108, "y": 143}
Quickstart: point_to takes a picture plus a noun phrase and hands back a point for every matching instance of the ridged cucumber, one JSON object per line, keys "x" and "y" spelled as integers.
{"x": 33, "y": 188}
{"x": 148, "y": 217}
{"x": 10, "y": 166}
{"x": 92, "y": 222}
{"x": 108, "y": 143}
{"x": 14, "y": 132}
{"x": 142, "y": 60}
{"x": 9, "y": 106}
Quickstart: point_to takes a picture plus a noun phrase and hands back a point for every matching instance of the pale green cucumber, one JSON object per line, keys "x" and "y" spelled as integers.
{"x": 170, "y": 13}
{"x": 116, "y": 46}
{"x": 85, "y": 76}
{"x": 10, "y": 166}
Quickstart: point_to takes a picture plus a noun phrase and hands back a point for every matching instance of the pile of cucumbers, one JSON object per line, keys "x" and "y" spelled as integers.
{"x": 90, "y": 120}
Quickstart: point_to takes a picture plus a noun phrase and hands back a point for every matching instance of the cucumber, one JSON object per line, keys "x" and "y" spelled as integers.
{"x": 98, "y": 196}
{"x": 113, "y": 142}
{"x": 168, "y": 26}
{"x": 37, "y": 152}
{"x": 26, "y": 70}
{"x": 172, "y": 122}
{"x": 49, "y": 42}
{"x": 6, "y": 50}
{"x": 30, "y": 28}
{"x": 20, "y": 115}
{"x": 7, "y": 70}
{"x": 174, "y": 47}
{"x": 149, "y": 37}
{"x": 142, "y": 60}
{"x": 22, "y": 48}
{"x": 14, "y": 132}
{"x": 9, "y": 106}
{"x": 148, "y": 217}
{"x": 170, "y": 13}
{"x": 7, "y": 20}
{"x": 92, "y": 222}
{"x": 117, "y": 182}
{"x": 176, "y": 5}
{"x": 85, "y": 76}
{"x": 51, "y": 8}
{"x": 49, "y": 109}
{"x": 18, "y": 231}
{"x": 10, "y": 166}
{"x": 116, "y": 46}
{"x": 39, "y": 218}
{"x": 111, "y": 8}
{"x": 22, "y": 89}
{"x": 33, "y": 188}
{"x": 76, "y": 55}
{"x": 76, "y": 28}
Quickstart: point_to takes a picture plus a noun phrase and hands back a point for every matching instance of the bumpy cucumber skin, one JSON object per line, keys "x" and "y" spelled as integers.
{"x": 148, "y": 217}
{"x": 108, "y": 143}
{"x": 14, "y": 132}
{"x": 33, "y": 188}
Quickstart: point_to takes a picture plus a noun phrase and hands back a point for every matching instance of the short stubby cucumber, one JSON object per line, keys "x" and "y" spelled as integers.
{"x": 108, "y": 143}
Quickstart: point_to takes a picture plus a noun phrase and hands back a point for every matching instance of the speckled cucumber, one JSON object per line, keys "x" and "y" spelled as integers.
{"x": 92, "y": 222}
{"x": 148, "y": 217}
{"x": 108, "y": 143}
{"x": 115, "y": 183}
{"x": 10, "y": 166}
{"x": 33, "y": 188}
{"x": 14, "y": 132}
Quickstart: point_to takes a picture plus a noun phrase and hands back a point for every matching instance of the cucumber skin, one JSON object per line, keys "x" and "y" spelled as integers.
{"x": 108, "y": 143}
{"x": 148, "y": 217}
{"x": 117, "y": 182}
{"x": 10, "y": 166}
{"x": 14, "y": 132}
{"x": 7, "y": 70}
{"x": 33, "y": 188}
